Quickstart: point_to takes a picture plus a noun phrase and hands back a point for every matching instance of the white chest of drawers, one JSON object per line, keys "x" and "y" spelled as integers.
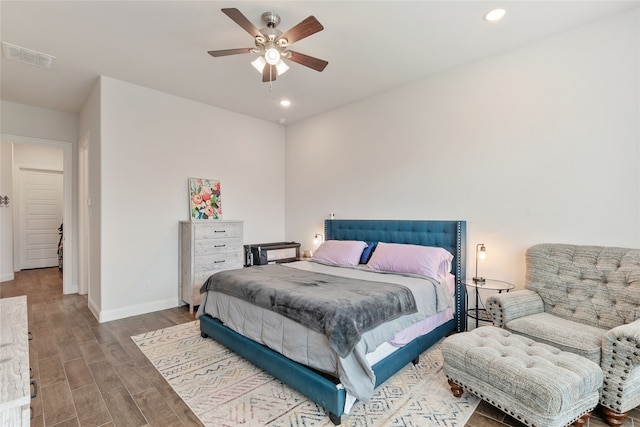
{"x": 15, "y": 392}
{"x": 206, "y": 247}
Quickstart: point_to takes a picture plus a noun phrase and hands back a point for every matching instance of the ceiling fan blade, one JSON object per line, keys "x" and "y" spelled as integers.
{"x": 269, "y": 73}
{"x": 303, "y": 29}
{"x": 242, "y": 20}
{"x": 308, "y": 61}
{"x": 226, "y": 52}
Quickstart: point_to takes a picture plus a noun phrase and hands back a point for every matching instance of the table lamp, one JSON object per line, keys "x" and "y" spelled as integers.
{"x": 481, "y": 253}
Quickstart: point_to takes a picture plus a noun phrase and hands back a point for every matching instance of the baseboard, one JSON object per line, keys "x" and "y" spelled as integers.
{"x": 135, "y": 310}
{"x": 7, "y": 277}
{"x": 94, "y": 309}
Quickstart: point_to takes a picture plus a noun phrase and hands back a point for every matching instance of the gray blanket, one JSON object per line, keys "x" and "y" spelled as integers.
{"x": 339, "y": 307}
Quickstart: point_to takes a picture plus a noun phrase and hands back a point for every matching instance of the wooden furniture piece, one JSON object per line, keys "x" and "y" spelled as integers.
{"x": 450, "y": 235}
{"x": 14, "y": 362}
{"x": 207, "y": 247}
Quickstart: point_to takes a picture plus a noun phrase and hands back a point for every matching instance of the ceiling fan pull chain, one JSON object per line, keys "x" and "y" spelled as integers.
{"x": 270, "y": 78}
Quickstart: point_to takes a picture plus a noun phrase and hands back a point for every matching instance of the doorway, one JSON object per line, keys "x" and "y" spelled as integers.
{"x": 70, "y": 276}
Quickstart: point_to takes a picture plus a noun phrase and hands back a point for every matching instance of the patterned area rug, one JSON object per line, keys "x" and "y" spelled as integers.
{"x": 224, "y": 389}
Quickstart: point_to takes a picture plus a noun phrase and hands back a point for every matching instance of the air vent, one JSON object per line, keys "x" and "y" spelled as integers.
{"x": 27, "y": 56}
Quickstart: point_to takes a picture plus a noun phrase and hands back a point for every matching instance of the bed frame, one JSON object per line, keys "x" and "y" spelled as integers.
{"x": 450, "y": 235}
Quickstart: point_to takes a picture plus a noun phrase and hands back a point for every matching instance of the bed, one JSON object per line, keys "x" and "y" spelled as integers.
{"x": 313, "y": 376}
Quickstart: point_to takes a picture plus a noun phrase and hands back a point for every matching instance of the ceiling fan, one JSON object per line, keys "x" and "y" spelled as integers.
{"x": 273, "y": 45}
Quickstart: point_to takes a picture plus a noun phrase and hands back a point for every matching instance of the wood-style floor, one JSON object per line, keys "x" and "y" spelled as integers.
{"x": 92, "y": 374}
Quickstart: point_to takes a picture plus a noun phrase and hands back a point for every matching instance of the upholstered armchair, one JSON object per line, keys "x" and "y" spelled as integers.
{"x": 583, "y": 299}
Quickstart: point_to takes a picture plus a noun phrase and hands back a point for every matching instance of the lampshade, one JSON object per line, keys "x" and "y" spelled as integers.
{"x": 281, "y": 67}
{"x": 259, "y": 64}
{"x": 318, "y": 238}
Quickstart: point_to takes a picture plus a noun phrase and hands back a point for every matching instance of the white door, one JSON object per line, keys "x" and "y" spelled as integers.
{"x": 40, "y": 217}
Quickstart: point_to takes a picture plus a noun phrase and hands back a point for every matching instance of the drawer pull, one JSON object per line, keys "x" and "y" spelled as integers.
{"x": 219, "y": 231}
{"x": 30, "y": 336}
{"x": 34, "y": 393}
{"x": 30, "y": 372}
{"x": 32, "y": 413}
{"x": 219, "y": 246}
{"x": 219, "y": 262}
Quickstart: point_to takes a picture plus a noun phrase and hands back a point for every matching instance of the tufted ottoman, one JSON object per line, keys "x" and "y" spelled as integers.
{"x": 535, "y": 383}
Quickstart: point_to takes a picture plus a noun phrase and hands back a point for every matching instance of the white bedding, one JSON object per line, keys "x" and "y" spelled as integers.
{"x": 311, "y": 348}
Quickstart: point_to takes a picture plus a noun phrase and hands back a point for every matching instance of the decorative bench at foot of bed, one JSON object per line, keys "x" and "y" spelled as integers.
{"x": 457, "y": 391}
{"x": 537, "y": 384}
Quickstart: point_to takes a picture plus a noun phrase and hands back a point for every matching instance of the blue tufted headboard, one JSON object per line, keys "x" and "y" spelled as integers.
{"x": 450, "y": 235}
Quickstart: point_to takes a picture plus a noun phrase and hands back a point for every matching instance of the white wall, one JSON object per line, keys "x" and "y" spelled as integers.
{"x": 90, "y": 127}
{"x": 537, "y": 145}
{"x": 36, "y": 122}
{"x": 38, "y": 156}
{"x": 150, "y": 144}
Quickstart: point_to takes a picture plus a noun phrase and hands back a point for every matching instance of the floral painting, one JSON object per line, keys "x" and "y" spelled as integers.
{"x": 204, "y": 198}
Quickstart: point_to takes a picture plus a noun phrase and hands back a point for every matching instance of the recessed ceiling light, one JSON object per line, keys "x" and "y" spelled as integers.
{"x": 495, "y": 14}
{"x": 285, "y": 102}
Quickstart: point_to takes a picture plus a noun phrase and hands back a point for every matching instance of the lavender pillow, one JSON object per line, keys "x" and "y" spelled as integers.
{"x": 413, "y": 259}
{"x": 339, "y": 252}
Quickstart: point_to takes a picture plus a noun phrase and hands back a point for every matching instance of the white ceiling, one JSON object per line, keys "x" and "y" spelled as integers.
{"x": 371, "y": 46}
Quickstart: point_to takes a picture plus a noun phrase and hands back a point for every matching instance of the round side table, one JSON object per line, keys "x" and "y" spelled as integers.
{"x": 491, "y": 284}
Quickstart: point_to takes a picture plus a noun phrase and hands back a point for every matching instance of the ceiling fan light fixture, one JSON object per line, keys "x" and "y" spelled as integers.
{"x": 259, "y": 64}
{"x": 272, "y": 56}
{"x": 281, "y": 67}
{"x": 272, "y": 44}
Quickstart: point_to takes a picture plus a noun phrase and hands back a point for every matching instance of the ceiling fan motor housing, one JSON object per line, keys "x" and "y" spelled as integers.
{"x": 270, "y": 34}
{"x": 272, "y": 19}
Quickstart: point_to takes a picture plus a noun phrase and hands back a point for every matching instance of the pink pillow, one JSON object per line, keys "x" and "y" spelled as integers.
{"x": 339, "y": 252}
{"x": 413, "y": 259}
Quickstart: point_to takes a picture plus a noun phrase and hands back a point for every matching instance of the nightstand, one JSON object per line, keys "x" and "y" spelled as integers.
{"x": 490, "y": 284}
